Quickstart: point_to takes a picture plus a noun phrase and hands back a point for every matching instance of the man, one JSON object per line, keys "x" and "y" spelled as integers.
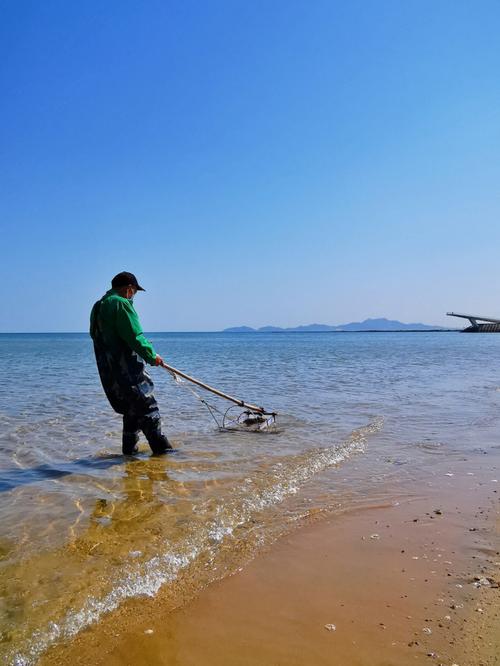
{"x": 120, "y": 349}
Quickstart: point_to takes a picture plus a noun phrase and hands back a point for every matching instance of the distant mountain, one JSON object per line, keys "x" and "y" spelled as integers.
{"x": 312, "y": 328}
{"x": 381, "y": 324}
{"x": 385, "y": 325}
{"x": 239, "y": 329}
{"x": 270, "y": 329}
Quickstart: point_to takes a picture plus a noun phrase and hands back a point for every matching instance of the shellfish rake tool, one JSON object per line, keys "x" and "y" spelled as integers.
{"x": 247, "y": 417}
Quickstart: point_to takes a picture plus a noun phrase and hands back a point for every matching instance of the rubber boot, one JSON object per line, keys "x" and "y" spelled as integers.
{"x": 129, "y": 443}
{"x": 157, "y": 441}
{"x": 160, "y": 445}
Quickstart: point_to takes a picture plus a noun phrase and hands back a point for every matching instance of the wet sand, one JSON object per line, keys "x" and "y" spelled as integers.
{"x": 410, "y": 581}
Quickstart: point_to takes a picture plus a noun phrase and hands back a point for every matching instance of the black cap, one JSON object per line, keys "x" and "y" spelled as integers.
{"x": 125, "y": 279}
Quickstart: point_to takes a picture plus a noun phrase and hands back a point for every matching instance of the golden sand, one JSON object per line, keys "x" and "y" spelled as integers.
{"x": 392, "y": 584}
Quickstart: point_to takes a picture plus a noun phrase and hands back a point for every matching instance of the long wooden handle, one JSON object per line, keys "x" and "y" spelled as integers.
{"x": 241, "y": 403}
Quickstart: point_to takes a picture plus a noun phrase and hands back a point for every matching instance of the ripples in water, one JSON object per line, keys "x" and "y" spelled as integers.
{"x": 83, "y": 529}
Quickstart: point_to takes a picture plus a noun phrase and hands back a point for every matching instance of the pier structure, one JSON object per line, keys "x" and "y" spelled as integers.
{"x": 478, "y": 324}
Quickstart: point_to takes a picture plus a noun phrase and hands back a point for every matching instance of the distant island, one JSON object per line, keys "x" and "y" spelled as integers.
{"x": 374, "y": 325}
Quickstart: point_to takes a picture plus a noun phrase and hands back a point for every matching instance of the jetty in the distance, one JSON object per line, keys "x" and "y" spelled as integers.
{"x": 478, "y": 324}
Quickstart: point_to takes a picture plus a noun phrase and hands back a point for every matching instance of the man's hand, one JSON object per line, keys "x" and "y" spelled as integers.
{"x": 159, "y": 361}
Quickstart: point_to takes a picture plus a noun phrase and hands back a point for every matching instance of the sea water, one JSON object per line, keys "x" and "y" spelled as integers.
{"x": 362, "y": 418}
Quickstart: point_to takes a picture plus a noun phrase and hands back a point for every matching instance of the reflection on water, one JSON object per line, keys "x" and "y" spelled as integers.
{"x": 82, "y": 528}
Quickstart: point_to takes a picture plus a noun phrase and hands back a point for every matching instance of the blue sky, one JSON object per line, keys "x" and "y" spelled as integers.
{"x": 252, "y": 162}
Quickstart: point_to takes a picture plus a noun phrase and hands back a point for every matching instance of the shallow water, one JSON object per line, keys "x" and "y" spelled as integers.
{"x": 83, "y": 529}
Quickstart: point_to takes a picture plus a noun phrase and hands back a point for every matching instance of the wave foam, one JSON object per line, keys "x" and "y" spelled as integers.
{"x": 250, "y": 498}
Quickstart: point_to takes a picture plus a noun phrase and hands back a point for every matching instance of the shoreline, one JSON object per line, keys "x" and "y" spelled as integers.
{"x": 398, "y": 582}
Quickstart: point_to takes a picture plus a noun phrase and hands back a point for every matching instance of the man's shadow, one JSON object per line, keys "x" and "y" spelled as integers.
{"x": 13, "y": 478}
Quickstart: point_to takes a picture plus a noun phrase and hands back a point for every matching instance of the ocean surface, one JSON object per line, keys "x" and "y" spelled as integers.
{"x": 363, "y": 419}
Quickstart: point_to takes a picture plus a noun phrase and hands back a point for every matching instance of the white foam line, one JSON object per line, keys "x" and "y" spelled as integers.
{"x": 165, "y": 568}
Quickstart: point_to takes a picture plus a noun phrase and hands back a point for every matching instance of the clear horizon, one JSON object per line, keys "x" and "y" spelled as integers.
{"x": 235, "y": 326}
{"x": 273, "y": 164}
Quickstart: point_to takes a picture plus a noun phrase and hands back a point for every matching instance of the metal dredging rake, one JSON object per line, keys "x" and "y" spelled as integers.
{"x": 248, "y": 417}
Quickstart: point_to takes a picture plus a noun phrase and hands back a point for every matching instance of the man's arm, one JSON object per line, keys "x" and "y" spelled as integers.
{"x": 129, "y": 329}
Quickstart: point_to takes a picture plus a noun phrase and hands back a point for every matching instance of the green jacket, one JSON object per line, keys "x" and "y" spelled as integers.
{"x": 116, "y": 320}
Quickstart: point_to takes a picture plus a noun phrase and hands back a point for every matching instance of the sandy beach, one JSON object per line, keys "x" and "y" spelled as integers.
{"x": 409, "y": 581}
